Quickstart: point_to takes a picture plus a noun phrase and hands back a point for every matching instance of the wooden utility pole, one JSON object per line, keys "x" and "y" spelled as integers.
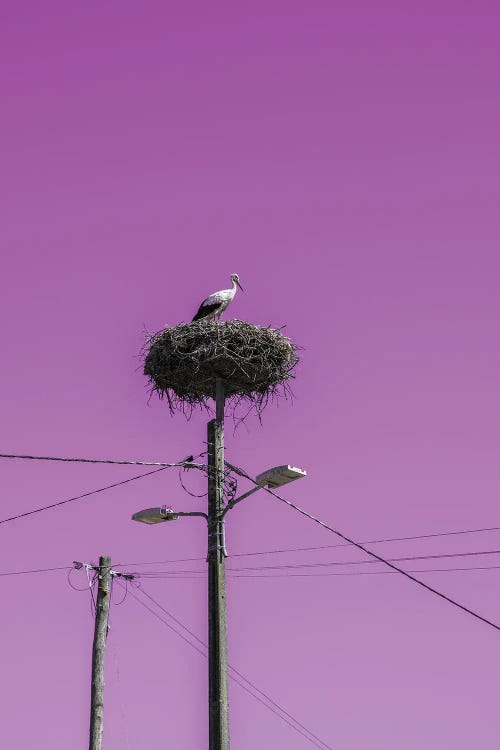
{"x": 100, "y": 633}
{"x": 217, "y": 631}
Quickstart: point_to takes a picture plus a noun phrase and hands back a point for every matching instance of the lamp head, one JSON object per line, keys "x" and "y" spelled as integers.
{"x": 155, "y": 515}
{"x": 279, "y": 475}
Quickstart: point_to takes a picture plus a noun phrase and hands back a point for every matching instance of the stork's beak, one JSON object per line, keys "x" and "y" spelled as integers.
{"x": 240, "y": 286}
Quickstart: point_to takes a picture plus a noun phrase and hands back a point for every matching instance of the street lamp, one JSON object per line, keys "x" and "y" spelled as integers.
{"x": 272, "y": 478}
{"x": 160, "y": 515}
{"x": 155, "y": 515}
{"x": 278, "y": 476}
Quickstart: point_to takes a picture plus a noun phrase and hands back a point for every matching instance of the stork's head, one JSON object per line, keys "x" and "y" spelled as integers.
{"x": 236, "y": 280}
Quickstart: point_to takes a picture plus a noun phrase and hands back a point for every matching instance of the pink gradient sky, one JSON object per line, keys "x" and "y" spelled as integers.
{"x": 343, "y": 158}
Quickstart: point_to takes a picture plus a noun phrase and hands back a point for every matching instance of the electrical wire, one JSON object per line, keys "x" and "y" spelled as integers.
{"x": 371, "y": 553}
{"x": 165, "y": 622}
{"x": 300, "y": 728}
{"x": 134, "y": 596}
{"x": 368, "y": 562}
{"x": 368, "y": 541}
{"x": 254, "y": 687}
{"x": 363, "y": 572}
{"x": 188, "y": 463}
{"x": 294, "y": 566}
{"x": 37, "y": 570}
{"x": 80, "y": 497}
{"x": 93, "y": 602}
{"x": 200, "y": 575}
{"x": 424, "y": 585}
{"x": 159, "y": 562}
{"x": 78, "y": 588}
{"x": 313, "y": 549}
{"x": 241, "y": 676}
{"x": 125, "y": 594}
{"x": 245, "y": 554}
{"x": 188, "y": 491}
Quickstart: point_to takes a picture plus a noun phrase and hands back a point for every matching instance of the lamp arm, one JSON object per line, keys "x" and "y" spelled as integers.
{"x": 193, "y": 513}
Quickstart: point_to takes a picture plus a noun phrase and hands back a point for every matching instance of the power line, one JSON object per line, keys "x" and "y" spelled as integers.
{"x": 201, "y": 574}
{"x": 369, "y": 562}
{"x": 158, "y": 575}
{"x": 188, "y": 463}
{"x": 165, "y": 622}
{"x": 160, "y": 562}
{"x": 368, "y": 541}
{"x": 316, "y": 548}
{"x": 300, "y": 728}
{"x": 267, "y": 697}
{"x": 364, "y": 573}
{"x": 80, "y": 497}
{"x": 292, "y": 566}
{"x": 131, "y": 593}
{"x": 371, "y": 553}
{"x": 385, "y": 562}
{"x": 38, "y": 570}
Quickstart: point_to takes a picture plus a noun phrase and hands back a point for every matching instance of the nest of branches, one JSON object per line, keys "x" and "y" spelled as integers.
{"x": 254, "y": 363}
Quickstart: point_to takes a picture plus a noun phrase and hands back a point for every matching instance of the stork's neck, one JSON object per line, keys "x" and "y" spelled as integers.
{"x": 233, "y": 288}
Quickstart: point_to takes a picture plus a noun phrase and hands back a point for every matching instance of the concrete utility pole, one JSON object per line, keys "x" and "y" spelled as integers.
{"x": 217, "y": 631}
{"x": 100, "y": 633}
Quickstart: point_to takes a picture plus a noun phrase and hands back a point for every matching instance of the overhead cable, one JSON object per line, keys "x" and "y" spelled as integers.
{"x": 385, "y": 562}
{"x": 361, "y": 572}
{"x": 368, "y": 562}
{"x": 293, "y": 566}
{"x": 201, "y": 574}
{"x": 80, "y": 497}
{"x": 37, "y": 570}
{"x": 381, "y": 559}
{"x": 296, "y": 726}
{"x": 367, "y": 541}
{"x": 314, "y": 549}
{"x": 187, "y": 463}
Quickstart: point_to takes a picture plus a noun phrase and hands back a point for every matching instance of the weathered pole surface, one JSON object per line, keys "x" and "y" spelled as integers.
{"x": 100, "y": 633}
{"x": 217, "y": 630}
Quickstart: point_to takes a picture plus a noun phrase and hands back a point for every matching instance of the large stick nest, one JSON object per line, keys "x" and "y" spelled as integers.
{"x": 254, "y": 363}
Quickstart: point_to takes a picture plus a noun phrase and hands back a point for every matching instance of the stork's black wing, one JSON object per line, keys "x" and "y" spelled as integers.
{"x": 206, "y": 310}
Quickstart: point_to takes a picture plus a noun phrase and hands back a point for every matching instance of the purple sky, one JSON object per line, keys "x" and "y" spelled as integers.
{"x": 343, "y": 158}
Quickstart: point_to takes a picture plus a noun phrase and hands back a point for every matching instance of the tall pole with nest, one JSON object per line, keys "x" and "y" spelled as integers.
{"x": 218, "y": 711}
{"x": 233, "y": 362}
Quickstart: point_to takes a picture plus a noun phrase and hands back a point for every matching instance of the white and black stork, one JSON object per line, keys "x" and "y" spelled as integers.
{"x": 214, "y": 305}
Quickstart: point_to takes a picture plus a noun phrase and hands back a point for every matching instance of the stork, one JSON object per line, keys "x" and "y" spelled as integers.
{"x": 214, "y": 305}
